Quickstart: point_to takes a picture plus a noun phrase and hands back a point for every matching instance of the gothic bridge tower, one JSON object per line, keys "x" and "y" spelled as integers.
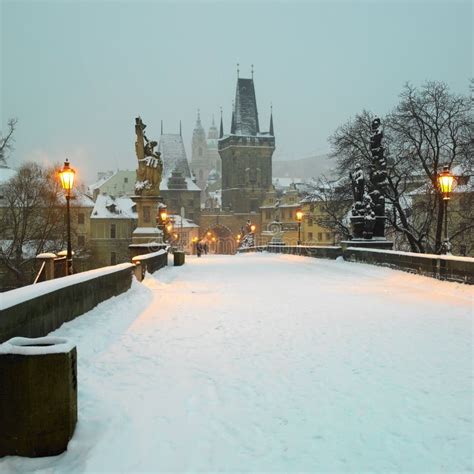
{"x": 246, "y": 154}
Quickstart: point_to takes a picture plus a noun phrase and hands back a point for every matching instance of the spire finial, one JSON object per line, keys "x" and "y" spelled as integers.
{"x": 252, "y": 71}
{"x": 271, "y": 120}
{"x": 162, "y": 127}
{"x": 237, "y": 70}
{"x": 221, "y": 131}
{"x": 180, "y": 129}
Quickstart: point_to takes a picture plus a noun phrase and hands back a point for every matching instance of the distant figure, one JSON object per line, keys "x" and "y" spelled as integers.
{"x": 198, "y": 249}
{"x": 206, "y": 248}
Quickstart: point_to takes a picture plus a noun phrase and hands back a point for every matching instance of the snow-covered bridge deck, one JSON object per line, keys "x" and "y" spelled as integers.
{"x": 273, "y": 363}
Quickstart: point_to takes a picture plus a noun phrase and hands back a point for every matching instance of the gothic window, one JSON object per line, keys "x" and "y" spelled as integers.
{"x": 113, "y": 231}
{"x": 268, "y": 214}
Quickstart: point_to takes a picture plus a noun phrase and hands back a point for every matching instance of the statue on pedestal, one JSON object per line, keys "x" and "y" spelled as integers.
{"x": 150, "y": 165}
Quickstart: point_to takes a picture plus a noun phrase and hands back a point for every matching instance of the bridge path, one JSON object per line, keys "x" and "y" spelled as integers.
{"x": 273, "y": 363}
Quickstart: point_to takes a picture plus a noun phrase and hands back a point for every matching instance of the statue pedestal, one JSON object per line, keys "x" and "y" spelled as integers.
{"x": 147, "y": 232}
{"x": 381, "y": 244}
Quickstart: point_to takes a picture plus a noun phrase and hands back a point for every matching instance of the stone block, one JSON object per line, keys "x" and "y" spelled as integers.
{"x": 38, "y": 396}
{"x": 178, "y": 258}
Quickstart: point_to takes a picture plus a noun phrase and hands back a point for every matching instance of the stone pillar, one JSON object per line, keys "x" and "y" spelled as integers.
{"x": 48, "y": 259}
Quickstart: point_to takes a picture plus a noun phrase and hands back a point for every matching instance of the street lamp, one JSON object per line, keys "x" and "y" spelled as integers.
{"x": 446, "y": 181}
{"x": 67, "y": 175}
{"x": 299, "y": 218}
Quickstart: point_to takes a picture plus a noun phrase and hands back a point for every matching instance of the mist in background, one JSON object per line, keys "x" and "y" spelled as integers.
{"x": 76, "y": 74}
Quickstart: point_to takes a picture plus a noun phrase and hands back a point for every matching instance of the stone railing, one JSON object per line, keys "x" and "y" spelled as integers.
{"x": 36, "y": 310}
{"x": 149, "y": 262}
{"x": 443, "y": 267}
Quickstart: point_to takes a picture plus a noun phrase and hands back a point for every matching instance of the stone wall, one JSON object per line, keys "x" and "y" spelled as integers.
{"x": 443, "y": 267}
{"x": 36, "y": 310}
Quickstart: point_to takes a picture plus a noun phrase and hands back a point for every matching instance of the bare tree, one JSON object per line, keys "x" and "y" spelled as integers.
{"x": 432, "y": 128}
{"x": 32, "y": 219}
{"x": 6, "y": 142}
{"x": 429, "y": 128}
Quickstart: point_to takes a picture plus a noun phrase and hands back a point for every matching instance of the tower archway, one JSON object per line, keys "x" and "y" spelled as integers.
{"x": 220, "y": 240}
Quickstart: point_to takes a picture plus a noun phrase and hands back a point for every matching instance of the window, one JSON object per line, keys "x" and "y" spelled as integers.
{"x": 113, "y": 258}
{"x": 80, "y": 218}
{"x": 113, "y": 231}
{"x": 268, "y": 214}
{"x": 320, "y": 236}
{"x": 253, "y": 205}
{"x": 328, "y": 236}
{"x": 310, "y": 221}
{"x": 200, "y": 151}
{"x": 81, "y": 240}
{"x": 310, "y": 236}
{"x": 146, "y": 214}
{"x": 125, "y": 180}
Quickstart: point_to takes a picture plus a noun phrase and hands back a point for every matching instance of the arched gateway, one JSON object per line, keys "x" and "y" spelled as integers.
{"x": 220, "y": 240}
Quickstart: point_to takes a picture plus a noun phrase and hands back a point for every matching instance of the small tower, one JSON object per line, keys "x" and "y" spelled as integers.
{"x": 246, "y": 154}
{"x": 199, "y": 156}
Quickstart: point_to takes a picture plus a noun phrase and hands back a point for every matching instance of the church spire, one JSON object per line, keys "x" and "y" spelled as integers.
{"x": 162, "y": 127}
{"x": 180, "y": 129}
{"x": 271, "y": 121}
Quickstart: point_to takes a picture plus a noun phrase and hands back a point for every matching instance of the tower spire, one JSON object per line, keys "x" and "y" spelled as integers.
{"x": 162, "y": 127}
{"x": 252, "y": 71}
{"x": 271, "y": 120}
{"x": 238, "y": 70}
{"x": 180, "y": 129}
{"x": 221, "y": 131}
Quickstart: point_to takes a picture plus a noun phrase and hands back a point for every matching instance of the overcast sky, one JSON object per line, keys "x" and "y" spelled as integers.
{"x": 75, "y": 74}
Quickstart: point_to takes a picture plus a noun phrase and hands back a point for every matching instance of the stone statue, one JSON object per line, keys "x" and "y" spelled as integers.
{"x": 150, "y": 166}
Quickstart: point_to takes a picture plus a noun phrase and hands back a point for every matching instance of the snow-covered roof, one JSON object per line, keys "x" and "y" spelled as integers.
{"x": 186, "y": 222}
{"x": 6, "y": 174}
{"x": 78, "y": 199}
{"x": 101, "y": 181}
{"x": 108, "y": 207}
{"x": 191, "y": 185}
{"x": 173, "y": 155}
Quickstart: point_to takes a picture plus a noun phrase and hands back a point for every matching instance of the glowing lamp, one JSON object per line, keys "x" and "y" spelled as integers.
{"x": 66, "y": 176}
{"x": 446, "y": 181}
{"x": 163, "y": 216}
{"x": 299, "y": 215}
{"x": 252, "y": 227}
{"x": 169, "y": 227}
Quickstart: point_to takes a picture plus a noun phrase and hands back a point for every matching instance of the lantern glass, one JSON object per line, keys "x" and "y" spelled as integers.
{"x": 299, "y": 216}
{"x": 252, "y": 228}
{"x": 446, "y": 181}
{"x": 67, "y": 175}
{"x": 163, "y": 215}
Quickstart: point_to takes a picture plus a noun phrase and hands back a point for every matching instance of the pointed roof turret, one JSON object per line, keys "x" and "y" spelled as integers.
{"x": 245, "y": 110}
{"x": 221, "y": 131}
{"x": 271, "y": 121}
{"x": 212, "y": 134}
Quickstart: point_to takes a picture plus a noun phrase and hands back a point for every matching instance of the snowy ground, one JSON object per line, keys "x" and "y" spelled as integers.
{"x": 273, "y": 363}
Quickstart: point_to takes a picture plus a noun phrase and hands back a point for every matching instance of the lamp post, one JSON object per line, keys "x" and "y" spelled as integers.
{"x": 299, "y": 218}
{"x": 67, "y": 175}
{"x": 446, "y": 181}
